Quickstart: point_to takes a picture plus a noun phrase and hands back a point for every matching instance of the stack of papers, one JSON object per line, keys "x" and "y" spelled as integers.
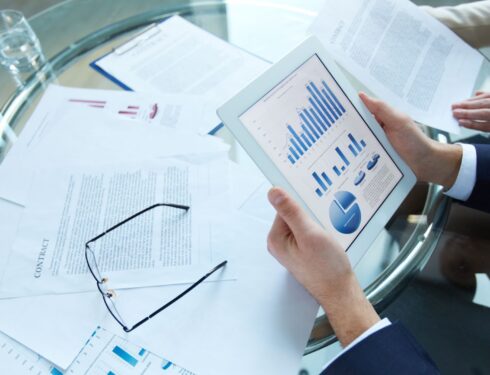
{"x": 88, "y": 159}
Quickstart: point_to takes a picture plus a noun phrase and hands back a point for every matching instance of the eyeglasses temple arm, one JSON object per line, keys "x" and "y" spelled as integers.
{"x": 222, "y": 264}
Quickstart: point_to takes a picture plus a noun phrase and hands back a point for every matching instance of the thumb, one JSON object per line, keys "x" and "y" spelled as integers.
{"x": 294, "y": 216}
{"x": 383, "y": 113}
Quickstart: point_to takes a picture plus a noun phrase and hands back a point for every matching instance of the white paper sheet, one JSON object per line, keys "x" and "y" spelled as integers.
{"x": 55, "y": 137}
{"x": 68, "y": 207}
{"x": 104, "y": 353}
{"x": 178, "y": 111}
{"x": 178, "y": 57}
{"x": 402, "y": 55}
{"x": 262, "y": 320}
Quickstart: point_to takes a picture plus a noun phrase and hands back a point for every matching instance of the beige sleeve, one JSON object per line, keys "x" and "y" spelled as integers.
{"x": 470, "y": 21}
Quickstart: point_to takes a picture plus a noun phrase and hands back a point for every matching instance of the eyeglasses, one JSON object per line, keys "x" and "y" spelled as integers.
{"x": 108, "y": 295}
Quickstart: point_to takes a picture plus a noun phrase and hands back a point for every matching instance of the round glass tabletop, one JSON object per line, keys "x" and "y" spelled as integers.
{"x": 268, "y": 29}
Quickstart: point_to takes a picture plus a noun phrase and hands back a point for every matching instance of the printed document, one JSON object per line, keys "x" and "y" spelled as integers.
{"x": 103, "y": 353}
{"x": 178, "y": 111}
{"x": 79, "y": 135}
{"x": 164, "y": 246}
{"x": 403, "y": 55}
{"x": 269, "y": 327}
{"x": 176, "y": 56}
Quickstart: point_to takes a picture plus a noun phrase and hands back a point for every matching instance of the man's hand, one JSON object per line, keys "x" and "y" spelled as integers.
{"x": 319, "y": 263}
{"x": 474, "y": 113}
{"x": 431, "y": 161}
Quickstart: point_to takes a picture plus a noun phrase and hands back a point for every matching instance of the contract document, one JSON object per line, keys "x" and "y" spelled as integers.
{"x": 403, "y": 55}
{"x": 163, "y": 246}
{"x": 176, "y": 56}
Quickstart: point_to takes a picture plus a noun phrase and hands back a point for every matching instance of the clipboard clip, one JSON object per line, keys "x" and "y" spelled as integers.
{"x": 145, "y": 35}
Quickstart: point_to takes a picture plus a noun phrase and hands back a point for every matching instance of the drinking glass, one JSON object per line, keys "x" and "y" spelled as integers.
{"x": 20, "y": 50}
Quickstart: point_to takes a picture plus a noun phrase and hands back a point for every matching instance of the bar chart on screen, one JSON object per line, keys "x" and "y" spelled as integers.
{"x": 314, "y": 120}
{"x": 342, "y": 159}
{"x": 104, "y": 353}
{"x": 323, "y": 148}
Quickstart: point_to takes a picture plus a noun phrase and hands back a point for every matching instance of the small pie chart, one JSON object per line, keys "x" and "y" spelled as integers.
{"x": 372, "y": 163}
{"x": 345, "y": 213}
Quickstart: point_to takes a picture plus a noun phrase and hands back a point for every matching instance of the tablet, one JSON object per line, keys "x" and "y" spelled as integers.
{"x": 307, "y": 130}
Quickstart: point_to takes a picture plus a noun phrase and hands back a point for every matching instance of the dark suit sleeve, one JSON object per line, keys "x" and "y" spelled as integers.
{"x": 391, "y": 350}
{"x": 480, "y": 196}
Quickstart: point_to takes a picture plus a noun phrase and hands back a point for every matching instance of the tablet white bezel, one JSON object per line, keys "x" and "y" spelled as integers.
{"x": 236, "y": 106}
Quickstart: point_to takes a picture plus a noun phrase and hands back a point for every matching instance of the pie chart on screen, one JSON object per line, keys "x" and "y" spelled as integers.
{"x": 345, "y": 213}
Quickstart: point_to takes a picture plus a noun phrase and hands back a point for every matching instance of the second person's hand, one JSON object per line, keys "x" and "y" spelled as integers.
{"x": 474, "y": 113}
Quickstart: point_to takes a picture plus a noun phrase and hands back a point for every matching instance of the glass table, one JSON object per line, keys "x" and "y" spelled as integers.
{"x": 268, "y": 29}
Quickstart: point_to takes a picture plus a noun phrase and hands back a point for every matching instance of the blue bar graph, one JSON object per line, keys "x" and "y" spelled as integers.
{"x": 322, "y": 114}
{"x": 323, "y": 121}
{"x": 363, "y": 144}
{"x": 293, "y": 152}
{"x": 111, "y": 373}
{"x": 315, "y": 131}
{"x": 308, "y": 133}
{"x": 336, "y": 170}
{"x": 325, "y": 100}
{"x": 342, "y": 156}
{"x": 334, "y": 106}
{"x": 166, "y": 365}
{"x": 333, "y": 96}
{"x": 354, "y": 142}
{"x": 320, "y": 181}
{"x": 55, "y": 371}
{"x": 125, "y": 356}
{"x": 318, "y": 127}
{"x": 142, "y": 352}
{"x": 306, "y": 140}
{"x": 323, "y": 182}
{"x": 296, "y": 137}
{"x": 353, "y": 150}
{"x": 326, "y": 178}
{"x": 296, "y": 146}
{"x": 313, "y": 121}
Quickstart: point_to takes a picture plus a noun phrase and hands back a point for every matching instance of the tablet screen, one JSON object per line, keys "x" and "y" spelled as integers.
{"x": 324, "y": 149}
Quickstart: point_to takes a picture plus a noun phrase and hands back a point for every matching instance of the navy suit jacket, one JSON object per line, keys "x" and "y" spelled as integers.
{"x": 390, "y": 351}
{"x": 393, "y": 350}
{"x": 480, "y": 197}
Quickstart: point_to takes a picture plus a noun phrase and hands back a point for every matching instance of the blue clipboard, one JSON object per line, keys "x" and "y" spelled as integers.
{"x": 121, "y": 84}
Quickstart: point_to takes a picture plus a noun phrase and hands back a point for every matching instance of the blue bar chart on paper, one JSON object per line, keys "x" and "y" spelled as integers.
{"x": 314, "y": 121}
{"x": 106, "y": 353}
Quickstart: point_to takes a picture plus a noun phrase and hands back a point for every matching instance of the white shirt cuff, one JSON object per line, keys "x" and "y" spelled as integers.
{"x": 465, "y": 182}
{"x": 376, "y": 327}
